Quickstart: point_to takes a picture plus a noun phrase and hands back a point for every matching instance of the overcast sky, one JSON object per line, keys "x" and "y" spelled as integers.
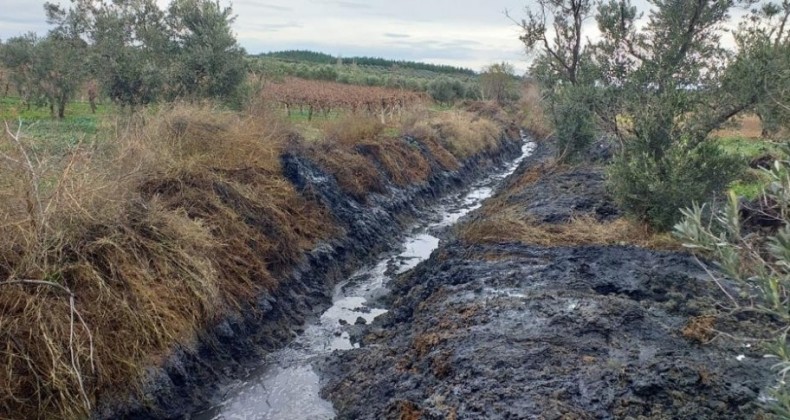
{"x": 468, "y": 33}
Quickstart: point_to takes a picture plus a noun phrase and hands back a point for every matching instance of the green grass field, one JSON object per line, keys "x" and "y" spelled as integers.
{"x": 752, "y": 182}
{"x": 52, "y": 134}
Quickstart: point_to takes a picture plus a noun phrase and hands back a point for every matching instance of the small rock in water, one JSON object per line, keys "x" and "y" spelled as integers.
{"x": 360, "y": 321}
{"x": 342, "y": 321}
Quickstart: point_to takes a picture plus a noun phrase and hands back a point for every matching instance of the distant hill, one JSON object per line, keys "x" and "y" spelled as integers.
{"x": 304, "y": 56}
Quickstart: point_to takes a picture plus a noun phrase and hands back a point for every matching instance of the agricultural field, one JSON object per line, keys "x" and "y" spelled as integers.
{"x": 358, "y": 70}
{"x": 51, "y": 134}
{"x": 317, "y": 97}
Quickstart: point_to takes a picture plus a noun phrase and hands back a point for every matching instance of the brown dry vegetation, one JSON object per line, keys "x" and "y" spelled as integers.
{"x": 510, "y": 226}
{"x": 462, "y": 133}
{"x": 534, "y": 117}
{"x": 748, "y": 126}
{"x": 363, "y": 157}
{"x": 116, "y": 251}
{"x": 504, "y": 221}
{"x": 181, "y": 218}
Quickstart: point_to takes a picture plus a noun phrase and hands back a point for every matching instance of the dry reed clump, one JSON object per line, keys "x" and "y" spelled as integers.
{"x": 462, "y": 133}
{"x": 117, "y": 251}
{"x": 363, "y": 159}
{"x": 508, "y": 225}
{"x": 534, "y": 117}
{"x": 414, "y": 125}
{"x": 488, "y": 109}
{"x": 355, "y": 174}
{"x": 403, "y": 163}
{"x": 350, "y": 129}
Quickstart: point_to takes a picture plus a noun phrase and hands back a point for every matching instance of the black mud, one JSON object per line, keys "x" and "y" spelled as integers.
{"x": 194, "y": 377}
{"x": 517, "y": 331}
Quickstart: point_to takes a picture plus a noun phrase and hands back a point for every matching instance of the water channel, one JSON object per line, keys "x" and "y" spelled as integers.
{"x": 285, "y": 385}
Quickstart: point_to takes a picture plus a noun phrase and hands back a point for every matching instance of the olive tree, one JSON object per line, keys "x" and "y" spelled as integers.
{"x": 140, "y": 53}
{"x": 676, "y": 84}
{"x": 660, "y": 84}
{"x": 47, "y": 71}
{"x": 446, "y": 90}
{"x": 18, "y": 57}
{"x": 764, "y": 39}
{"x": 498, "y": 82}
{"x": 208, "y": 60}
{"x": 553, "y": 32}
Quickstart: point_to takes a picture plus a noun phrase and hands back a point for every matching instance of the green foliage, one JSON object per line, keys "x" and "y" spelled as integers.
{"x": 302, "y": 56}
{"x": 654, "y": 189}
{"x": 747, "y": 148}
{"x": 46, "y": 71}
{"x": 762, "y": 265}
{"x": 747, "y": 190}
{"x": 554, "y": 27}
{"x": 140, "y": 53}
{"x": 764, "y": 41}
{"x": 445, "y": 90}
{"x": 498, "y": 82}
{"x": 659, "y": 88}
{"x": 209, "y": 63}
{"x": 317, "y": 66}
{"x": 574, "y": 120}
{"x": 671, "y": 82}
{"x": 131, "y": 65}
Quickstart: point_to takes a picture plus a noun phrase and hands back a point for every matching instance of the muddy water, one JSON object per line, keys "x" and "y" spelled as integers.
{"x": 285, "y": 386}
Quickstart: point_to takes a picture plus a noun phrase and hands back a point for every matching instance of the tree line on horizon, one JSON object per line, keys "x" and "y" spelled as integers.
{"x": 323, "y": 58}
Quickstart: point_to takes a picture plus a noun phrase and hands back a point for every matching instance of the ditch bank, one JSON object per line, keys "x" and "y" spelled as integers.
{"x": 193, "y": 376}
{"x": 502, "y": 323}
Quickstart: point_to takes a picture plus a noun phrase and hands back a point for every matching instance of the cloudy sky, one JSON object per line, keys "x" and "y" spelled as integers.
{"x": 468, "y": 33}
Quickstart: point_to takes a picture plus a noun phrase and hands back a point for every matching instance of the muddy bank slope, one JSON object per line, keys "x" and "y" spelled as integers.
{"x": 505, "y": 323}
{"x": 193, "y": 375}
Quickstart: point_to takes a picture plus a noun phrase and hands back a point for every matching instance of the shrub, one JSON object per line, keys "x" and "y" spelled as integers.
{"x": 573, "y": 116}
{"x": 653, "y": 188}
{"x": 351, "y": 128}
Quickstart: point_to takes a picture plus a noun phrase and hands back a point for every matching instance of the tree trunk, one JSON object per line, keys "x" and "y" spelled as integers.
{"x": 62, "y": 107}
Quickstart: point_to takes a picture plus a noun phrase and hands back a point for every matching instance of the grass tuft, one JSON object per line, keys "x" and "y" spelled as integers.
{"x": 508, "y": 225}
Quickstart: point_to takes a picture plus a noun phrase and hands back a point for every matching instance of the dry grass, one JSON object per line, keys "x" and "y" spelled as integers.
{"x": 362, "y": 157}
{"x": 509, "y": 226}
{"x": 462, "y": 133}
{"x": 359, "y": 136}
{"x": 118, "y": 250}
{"x": 748, "y": 126}
{"x": 355, "y": 174}
{"x": 183, "y": 217}
{"x": 349, "y": 129}
{"x": 404, "y": 164}
{"x": 700, "y": 329}
{"x": 534, "y": 117}
{"x": 503, "y": 220}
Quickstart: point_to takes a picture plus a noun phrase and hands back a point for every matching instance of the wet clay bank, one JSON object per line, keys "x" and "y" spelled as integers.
{"x": 195, "y": 376}
{"x": 508, "y": 329}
